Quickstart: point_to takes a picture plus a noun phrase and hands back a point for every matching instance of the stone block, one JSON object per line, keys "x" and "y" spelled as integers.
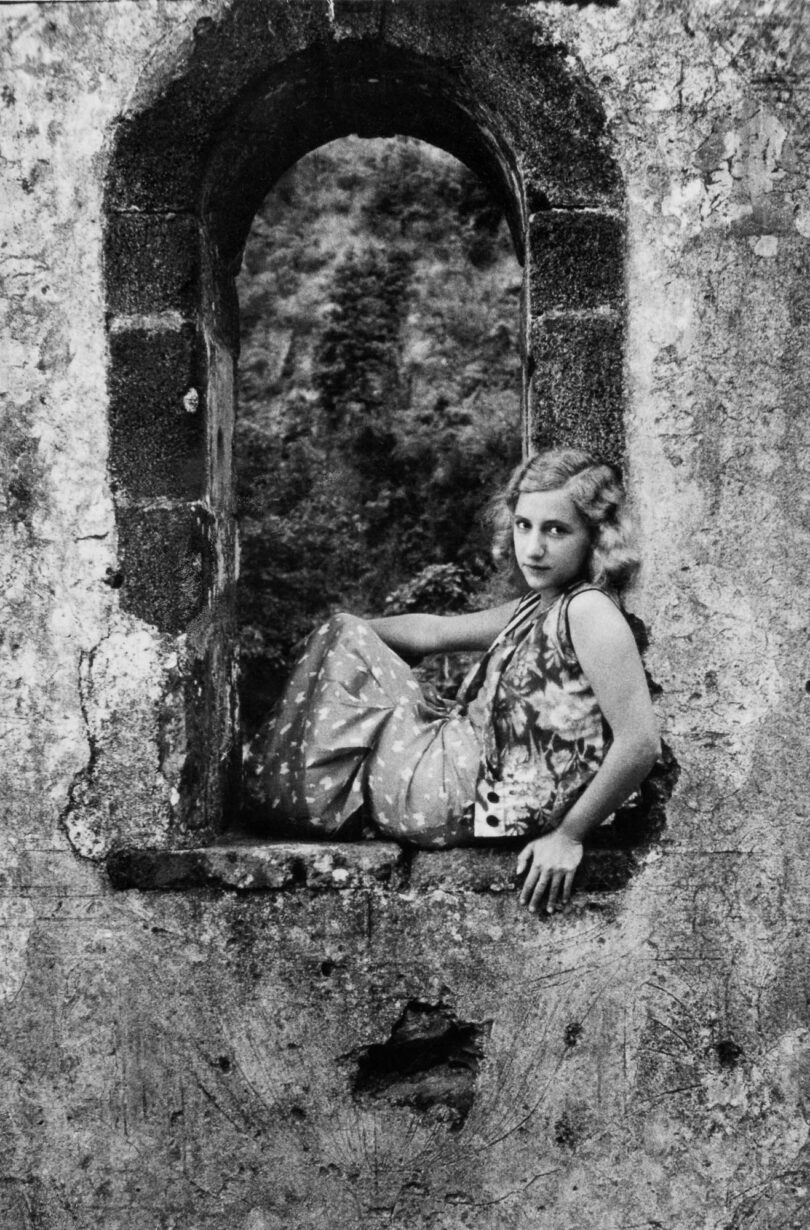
{"x": 157, "y": 416}
{"x": 156, "y": 160}
{"x": 162, "y": 558}
{"x": 547, "y": 110}
{"x": 492, "y": 870}
{"x": 151, "y": 263}
{"x": 290, "y": 866}
{"x": 575, "y": 260}
{"x": 357, "y": 19}
{"x": 572, "y": 169}
{"x": 159, "y": 156}
{"x": 576, "y": 386}
{"x": 281, "y": 866}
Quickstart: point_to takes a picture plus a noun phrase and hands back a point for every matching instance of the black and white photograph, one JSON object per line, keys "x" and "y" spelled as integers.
{"x": 404, "y": 609}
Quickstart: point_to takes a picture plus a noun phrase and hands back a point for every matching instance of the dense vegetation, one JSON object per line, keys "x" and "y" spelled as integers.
{"x": 378, "y": 402}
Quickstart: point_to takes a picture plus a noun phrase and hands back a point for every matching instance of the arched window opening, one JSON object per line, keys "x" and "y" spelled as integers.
{"x": 379, "y": 397}
{"x": 209, "y": 131}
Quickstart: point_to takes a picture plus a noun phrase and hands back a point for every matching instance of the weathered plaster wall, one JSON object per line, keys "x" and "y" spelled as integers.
{"x": 186, "y": 1058}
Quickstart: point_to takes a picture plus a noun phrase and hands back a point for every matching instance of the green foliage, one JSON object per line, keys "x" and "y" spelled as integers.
{"x": 378, "y": 397}
{"x": 357, "y": 361}
{"x": 438, "y": 587}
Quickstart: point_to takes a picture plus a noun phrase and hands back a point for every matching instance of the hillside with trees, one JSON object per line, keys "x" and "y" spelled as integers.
{"x": 378, "y": 397}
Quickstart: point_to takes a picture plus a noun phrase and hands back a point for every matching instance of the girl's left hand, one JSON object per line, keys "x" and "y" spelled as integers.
{"x": 550, "y": 863}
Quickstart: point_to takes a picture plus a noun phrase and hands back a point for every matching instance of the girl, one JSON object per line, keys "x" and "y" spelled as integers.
{"x": 550, "y": 733}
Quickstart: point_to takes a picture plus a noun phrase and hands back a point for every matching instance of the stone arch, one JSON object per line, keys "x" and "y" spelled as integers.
{"x": 204, "y": 139}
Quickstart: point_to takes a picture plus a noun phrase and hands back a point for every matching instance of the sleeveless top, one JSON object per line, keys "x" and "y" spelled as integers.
{"x": 542, "y": 732}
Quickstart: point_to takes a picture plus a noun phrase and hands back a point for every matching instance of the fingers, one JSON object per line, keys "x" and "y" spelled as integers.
{"x": 535, "y": 885}
{"x": 568, "y": 883}
{"x": 542, "y": 880}
{"x": 554, "y": 892}
{"x": 539, "y": 881}
{"x": 527, "y": 860}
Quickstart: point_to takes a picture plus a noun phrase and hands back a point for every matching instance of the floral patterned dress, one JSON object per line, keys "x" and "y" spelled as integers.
{"x": 542, "y": 733}
{"x": 354, "y": 738}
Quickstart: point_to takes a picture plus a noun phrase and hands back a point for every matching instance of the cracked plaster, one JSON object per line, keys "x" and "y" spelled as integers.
{"x": 118, "y": 1010}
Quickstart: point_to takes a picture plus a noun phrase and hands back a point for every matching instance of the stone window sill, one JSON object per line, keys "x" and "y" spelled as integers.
{"x": 246, "y": 865}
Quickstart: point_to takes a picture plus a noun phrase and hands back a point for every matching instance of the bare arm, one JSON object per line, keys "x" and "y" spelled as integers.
{"x": 413, "y": 636}
{"x": 609, "y": 659}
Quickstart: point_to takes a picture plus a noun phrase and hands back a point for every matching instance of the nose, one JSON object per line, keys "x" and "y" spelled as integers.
{"x": 536, "y": 545}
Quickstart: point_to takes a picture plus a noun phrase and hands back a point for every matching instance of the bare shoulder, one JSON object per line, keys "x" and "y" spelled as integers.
{"x": 595, "y": 619}
{"x": 609, "y": 658}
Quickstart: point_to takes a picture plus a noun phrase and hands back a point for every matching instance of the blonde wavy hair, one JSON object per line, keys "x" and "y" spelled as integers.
{"x": 598, "y": 496}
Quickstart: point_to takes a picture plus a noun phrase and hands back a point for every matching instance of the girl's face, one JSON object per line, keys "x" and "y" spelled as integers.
{"x": 552, "y": 542}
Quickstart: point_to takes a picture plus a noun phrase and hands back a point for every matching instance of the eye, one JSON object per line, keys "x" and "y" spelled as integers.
{"x": 556, "y": 530}
{"x": 521, "y": 524}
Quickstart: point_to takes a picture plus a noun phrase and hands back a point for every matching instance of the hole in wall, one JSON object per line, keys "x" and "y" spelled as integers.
{"x": 729, "y": 1053}
{"x": 113, "y": 577}
{"x": 573, "y": 1033}
{"x": 429, "y": 1063}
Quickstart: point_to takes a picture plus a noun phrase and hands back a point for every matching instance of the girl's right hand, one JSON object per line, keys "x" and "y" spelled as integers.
{"x": 550, "y": 863}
